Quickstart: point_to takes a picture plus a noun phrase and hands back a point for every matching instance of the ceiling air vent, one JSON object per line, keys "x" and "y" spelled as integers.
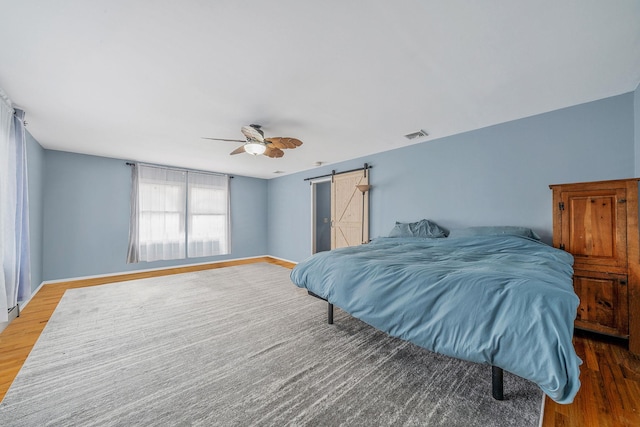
{"x": 415, "y": 135}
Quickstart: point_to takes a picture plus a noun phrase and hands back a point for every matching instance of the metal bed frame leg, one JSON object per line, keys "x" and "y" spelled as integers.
{"x": 497, "y": 384}
{"x": 329, "y": 307}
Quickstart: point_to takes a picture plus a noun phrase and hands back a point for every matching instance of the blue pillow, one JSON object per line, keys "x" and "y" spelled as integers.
{"x": 497, "y": 230}
{"x": 423, "y": 228}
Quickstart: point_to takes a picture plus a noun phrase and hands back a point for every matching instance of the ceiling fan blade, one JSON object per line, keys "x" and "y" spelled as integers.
{"x": 221, "y": 139}
{"x": 273, "y": 152}
{"x": 275, "y": 142}
{"x": 284, "y": 142}
{"x": 238, "y": 150}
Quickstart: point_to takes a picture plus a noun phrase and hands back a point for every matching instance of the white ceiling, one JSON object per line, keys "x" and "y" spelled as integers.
{"x": 145, "y": 80}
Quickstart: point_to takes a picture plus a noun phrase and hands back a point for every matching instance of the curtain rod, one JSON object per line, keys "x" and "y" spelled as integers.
{"x": 333, "y": 172}
{"x": 180, "y": 169}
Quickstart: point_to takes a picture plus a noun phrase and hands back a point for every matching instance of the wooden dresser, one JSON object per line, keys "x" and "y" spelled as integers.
{"x": 597, "y": 222}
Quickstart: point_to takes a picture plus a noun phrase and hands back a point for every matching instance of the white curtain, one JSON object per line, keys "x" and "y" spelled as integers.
{"x": 22, "y": 210}
{"x": 161, "y": 213}
{"x": 15, "y": 280}
{"x": 208, "y": 214}
{"x": 133, "y": 253}
{"x": 7, "y": 205}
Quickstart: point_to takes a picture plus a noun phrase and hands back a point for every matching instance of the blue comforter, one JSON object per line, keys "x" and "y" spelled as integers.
{"x": 507, "y": 301}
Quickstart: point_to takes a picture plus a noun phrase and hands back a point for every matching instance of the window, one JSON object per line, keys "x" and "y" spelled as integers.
{"x": 178, "y": 214}
{"x": 208, "y": 215}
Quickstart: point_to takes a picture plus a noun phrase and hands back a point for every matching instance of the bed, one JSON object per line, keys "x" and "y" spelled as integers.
{"x": 495, "y": 297}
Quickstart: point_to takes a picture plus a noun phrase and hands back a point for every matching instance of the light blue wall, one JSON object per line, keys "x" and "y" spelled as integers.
{"x": 86, "y": 221}
{"x": 35, "y": 179}
{"x": 498, "y": 175}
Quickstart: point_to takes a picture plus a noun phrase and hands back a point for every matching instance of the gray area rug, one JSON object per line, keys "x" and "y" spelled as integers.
{"x": 241, "y": 346}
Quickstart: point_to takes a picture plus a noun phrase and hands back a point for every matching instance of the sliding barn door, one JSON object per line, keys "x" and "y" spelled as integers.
{"x": 349, "y": 210}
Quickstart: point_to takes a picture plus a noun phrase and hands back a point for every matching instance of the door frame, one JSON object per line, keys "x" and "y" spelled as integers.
{"x": 312, "y": 185}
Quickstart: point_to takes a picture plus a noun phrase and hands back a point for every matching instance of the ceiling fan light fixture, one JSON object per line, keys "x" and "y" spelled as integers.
{"x": 255, "y": 148}
{"x": 256, "y": 144}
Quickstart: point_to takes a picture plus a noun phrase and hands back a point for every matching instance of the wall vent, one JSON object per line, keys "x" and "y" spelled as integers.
{"x": 415, "y": 135}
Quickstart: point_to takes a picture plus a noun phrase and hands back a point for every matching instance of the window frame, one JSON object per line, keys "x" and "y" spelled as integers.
{"x": 145, "y": 246}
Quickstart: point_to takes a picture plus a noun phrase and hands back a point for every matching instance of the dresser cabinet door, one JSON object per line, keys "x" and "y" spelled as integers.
{"x": 603, "y": 302}
{"x": 594, "y": 228}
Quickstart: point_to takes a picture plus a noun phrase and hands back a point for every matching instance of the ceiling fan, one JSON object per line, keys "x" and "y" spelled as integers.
{"x": 257, "y": 144}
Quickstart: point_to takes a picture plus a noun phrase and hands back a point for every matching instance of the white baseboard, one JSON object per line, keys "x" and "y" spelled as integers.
{"x": 120, "y": 273}
{"x": 24, "y": 303}
{"x": 281, "y": 259}
{"x": 12, "y": 315}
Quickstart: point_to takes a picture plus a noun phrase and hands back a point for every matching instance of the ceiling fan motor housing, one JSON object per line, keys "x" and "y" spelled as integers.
{"x": 253, "y": 133}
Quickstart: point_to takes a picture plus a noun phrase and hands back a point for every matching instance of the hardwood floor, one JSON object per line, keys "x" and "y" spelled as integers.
{"x": 610, "y": 390}
{"x": 610, "y": 375}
